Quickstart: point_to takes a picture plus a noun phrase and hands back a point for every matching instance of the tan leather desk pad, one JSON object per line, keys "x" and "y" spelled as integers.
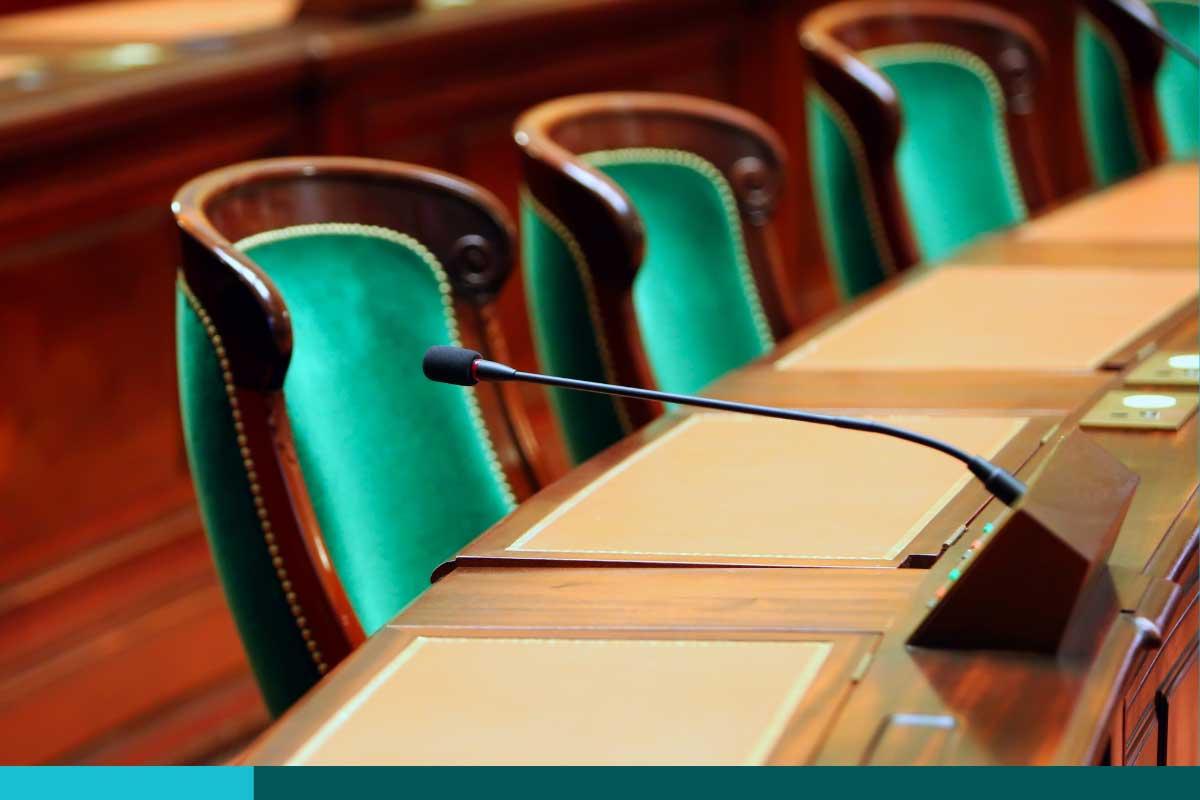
{"x": 731, "y": 489}
{"x": 996, "y": 318}
{"x": 1162, "y": 206}
{"x": 544, "y": 699}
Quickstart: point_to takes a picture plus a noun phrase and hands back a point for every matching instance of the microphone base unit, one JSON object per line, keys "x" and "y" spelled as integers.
{"x": 1037, "y": 579}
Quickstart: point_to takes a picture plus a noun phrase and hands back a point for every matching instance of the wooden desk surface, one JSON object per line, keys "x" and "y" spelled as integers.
{"x": 1110, "y": 227}
{"x": 1120, "y": 215}
{"x": 960, "y": 319}
{"x": 894, "y": 704}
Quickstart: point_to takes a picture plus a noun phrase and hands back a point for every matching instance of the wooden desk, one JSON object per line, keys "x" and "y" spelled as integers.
{"x": 1131, "y": 698}
{"x": 1110, "y": 227}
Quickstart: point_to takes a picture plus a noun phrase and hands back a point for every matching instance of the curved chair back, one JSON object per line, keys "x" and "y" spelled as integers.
{"x": 1117, "y": 60}
{"x": 1177, "y": 86}
{"x": 1138, "y": 99}
{"x": 649, "y": 251}
{"x": 922, "y": 127}
{"x": 332, "y": 477}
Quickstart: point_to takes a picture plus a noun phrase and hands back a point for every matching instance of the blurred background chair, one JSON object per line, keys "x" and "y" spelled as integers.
{"x": 332, "y": 477}
{"x": 648, "y": 245}
{"x": 923, "y": 130}
{"x": 1177, "y": 87}
{"x": 1138, "y": 99}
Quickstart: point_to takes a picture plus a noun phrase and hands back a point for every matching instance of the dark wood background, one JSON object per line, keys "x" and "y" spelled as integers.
{"x": 115, "y": 644}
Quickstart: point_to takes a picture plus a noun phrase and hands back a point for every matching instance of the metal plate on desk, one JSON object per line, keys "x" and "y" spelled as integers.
{"x": 1129, "y": 408}
{"x": 1167, "y": 368}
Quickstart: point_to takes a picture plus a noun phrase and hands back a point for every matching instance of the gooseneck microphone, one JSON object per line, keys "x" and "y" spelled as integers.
{"x": 1149, "y": 20}
{"x": 464, "y": 367}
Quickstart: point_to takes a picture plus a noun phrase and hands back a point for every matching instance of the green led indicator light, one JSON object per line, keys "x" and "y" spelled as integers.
{"x": 988, "y": 527}
{"x": 955, "y": 574}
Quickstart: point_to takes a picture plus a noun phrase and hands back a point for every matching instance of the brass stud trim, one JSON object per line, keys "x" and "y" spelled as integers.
{"x": 858, "y": 154}
{"x": 251, "y": 473}
{"x": 584, "y": 271}
{"x": 888, "y": 55}
{"x": 704, "y": 168}
{"x": 444, "y": 289}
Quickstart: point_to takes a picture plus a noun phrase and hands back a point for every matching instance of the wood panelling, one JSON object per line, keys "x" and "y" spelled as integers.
{"x": 115, "y": 642}
{"x": 1181, "y": 696}
{"x": 105, "y": 569}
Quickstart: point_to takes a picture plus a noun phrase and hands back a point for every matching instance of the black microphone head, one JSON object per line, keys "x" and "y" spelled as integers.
{"x": 451, "y": 365}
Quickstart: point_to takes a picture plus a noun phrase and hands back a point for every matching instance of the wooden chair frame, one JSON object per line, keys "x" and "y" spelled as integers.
{"x": 247, "y": 320}
{"x": 831, "y": 39}
{"x": 1126, "y": 24}
{"x": 600, "y": 216}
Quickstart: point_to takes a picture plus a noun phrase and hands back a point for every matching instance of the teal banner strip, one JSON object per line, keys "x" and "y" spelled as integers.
{"x": 127, "y": 783}
{"x": 725, "y": 783}
{"x": 531, "y": 783}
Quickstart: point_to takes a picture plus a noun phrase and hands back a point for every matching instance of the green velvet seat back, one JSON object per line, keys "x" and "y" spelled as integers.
{"x": 277, "y": 654}
{"x": 850, "y": 227}
{"x": 697, "y": 304}
{"x": 953, "y": 161}
{"x": 401, "y": 471}
{"x": 567, "y": 332}
{"x": 1109, "y": 119}
{"x": 1177, "y": 87}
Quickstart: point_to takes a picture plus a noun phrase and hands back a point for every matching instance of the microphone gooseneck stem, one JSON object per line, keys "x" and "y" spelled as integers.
{"x": 1175, "y": 43}
{"x": 1003, "y": 485}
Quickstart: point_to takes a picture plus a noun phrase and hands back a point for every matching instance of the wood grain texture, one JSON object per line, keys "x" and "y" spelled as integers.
{"x": 664, "y": 598}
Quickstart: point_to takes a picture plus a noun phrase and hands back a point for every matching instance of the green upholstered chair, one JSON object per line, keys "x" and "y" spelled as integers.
{"x": 923, "y": 130}
{"x": 1177, "y": 87}
{"x": 333, "y": 479}
{"x": 1138, "y": 99}
{"x": 648, "y": 248}
{"x": 1116, "y": 62}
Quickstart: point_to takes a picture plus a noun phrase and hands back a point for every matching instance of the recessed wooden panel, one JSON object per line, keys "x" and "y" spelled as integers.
{"x": 984, "y": 318}
{"x": 1158, "y": 207}
{"x": 608, "y": 699}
